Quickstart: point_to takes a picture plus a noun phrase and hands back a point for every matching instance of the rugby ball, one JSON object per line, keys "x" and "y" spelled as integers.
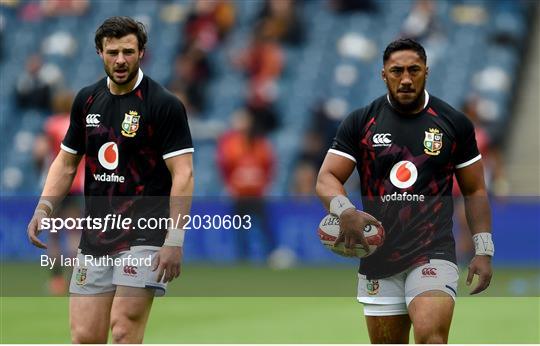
{"x": 329, "y": 231}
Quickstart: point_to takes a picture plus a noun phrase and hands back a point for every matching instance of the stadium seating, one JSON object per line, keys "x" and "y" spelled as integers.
{"x": 459, "y": 57}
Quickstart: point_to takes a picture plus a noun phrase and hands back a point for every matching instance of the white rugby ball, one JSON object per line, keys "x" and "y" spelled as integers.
{"x": 329, "y": 231}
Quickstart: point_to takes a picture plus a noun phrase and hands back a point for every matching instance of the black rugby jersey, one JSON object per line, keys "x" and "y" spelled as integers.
{"x": 406, "y": 165}
{"x": 125, "y": 140}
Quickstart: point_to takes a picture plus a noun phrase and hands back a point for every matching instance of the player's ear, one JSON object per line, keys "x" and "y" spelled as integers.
{"x": 383, "y": 75}
{"x": 141, "y": 54}
{"x": 100, "y": 53}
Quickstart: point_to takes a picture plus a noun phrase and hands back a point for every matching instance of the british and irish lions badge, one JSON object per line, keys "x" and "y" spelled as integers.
{"x": 80, "y": 276}
{"x": 130, "y": 125}
{"x": 372, "y": 287}
{"x": 433, "y": 142}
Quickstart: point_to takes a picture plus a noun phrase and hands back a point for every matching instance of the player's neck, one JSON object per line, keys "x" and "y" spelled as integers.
{"x": 117, "y": 89}
{"x": 419, "y": 105}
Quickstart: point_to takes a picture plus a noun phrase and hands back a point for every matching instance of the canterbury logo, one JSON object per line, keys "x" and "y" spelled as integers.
{"x": 130, "y": 270}
{"x": 92, "y": 120}
{"x": 382, "y": 140}
{"x": 429, "y": 271}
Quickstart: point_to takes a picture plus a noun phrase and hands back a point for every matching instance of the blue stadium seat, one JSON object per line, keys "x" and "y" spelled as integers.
{"x": 309, "y": 73}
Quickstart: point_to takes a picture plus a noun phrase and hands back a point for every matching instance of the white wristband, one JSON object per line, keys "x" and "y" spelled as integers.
{"x": 483, "y": 244}
{"x": 46, "y": 203}
{"x": 175, "y": 237}
{"x": 339, "y": 204}
{"x": 41, "y": 211}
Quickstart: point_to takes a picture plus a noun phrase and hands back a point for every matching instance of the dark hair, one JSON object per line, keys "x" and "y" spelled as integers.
{"x": 118, "y": 27}
{"x": 404, "y": 44}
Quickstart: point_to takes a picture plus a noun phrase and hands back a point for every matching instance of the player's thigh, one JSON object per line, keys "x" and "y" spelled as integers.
{"x": 92, "y": 292}
{"x": 387, "y": 329}
{"x": 129, "y": 313}
{"x": 385, "y": 309}
{"x": 89, "y": 317}
{"x": 430, "y": 294}
{"x": 431, "y": 315}
{"x": 132, "y": 302}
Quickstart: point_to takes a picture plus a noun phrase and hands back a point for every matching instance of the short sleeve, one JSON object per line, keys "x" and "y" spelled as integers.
{"x": 172, "y": 131}
{"x": 75, "y": 138}
{"x": 347, "y": 138}
{"x": 467, "y": 151}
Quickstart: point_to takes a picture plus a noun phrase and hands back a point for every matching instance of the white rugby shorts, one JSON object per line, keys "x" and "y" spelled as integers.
{"x": 391, "y": 296}
{"x": 90, "y": 276}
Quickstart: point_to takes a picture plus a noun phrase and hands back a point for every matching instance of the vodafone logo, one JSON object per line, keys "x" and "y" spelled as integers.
{"x": 108, "y": 158}
{"x": 108, "y": 155}
{"x": 403, "y": 174}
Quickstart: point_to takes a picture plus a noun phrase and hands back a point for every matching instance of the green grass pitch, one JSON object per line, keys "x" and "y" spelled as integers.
{"x": 252, "y": 309}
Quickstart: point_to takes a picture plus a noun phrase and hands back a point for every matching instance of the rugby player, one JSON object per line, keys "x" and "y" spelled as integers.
{"x": 136, "y": 141}
{"x": 406, "y": 146}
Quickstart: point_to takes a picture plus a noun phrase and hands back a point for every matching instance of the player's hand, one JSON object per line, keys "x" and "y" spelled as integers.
{"x": 351, "y": 229}
{"x": 481, "y": 266}
{"x": 33, "y": 229}
{"x": 168, "y": 263}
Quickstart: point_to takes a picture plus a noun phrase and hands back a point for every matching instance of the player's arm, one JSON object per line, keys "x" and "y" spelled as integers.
{"x": 478, "y": 213}
{"x": 334, "y": 172}
{"x": 57, "y": 185}
{"x": 168, "y": 260}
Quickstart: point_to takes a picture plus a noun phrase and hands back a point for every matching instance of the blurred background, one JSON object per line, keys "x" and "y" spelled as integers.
{"x": 266, "y": 84}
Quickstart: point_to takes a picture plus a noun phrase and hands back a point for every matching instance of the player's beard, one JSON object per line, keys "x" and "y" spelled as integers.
{"x": 132, "y": 74}
{"x": 414, "y": 105}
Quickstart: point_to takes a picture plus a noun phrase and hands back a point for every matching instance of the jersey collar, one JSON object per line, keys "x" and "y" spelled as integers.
{"x": 426, "y": 101}
{"x": 139, "y": 79}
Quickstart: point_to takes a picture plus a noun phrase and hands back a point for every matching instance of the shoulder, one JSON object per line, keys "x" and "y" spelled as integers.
{"x": 446, "y": 111}
{"x": 164, "y": 106}
{"x": 360, "y": 116}
{"x": 85, "y": 94}
{"x": 93, "y": 88}
{"x": 162, "y": 99}
{"x": 160, "y": 94}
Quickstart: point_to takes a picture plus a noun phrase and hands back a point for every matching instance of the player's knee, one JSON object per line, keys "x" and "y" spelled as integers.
{"x": 81, "y": 335}
{"x": 123, "y": 331}
{"x": 432, "y": 339}
{"x": 120, "y": 332}
{"x": 429, "y": 336}
{"x": 120, "y": 335}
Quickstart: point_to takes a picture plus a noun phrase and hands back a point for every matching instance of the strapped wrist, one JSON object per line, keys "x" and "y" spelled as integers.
{"x": 46, "y": 203}
{"x": 41, "y": 211}
{"x": 175, "y": 237}
{"x": 483, "y": 244}
{"x": 339, "y": 204}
